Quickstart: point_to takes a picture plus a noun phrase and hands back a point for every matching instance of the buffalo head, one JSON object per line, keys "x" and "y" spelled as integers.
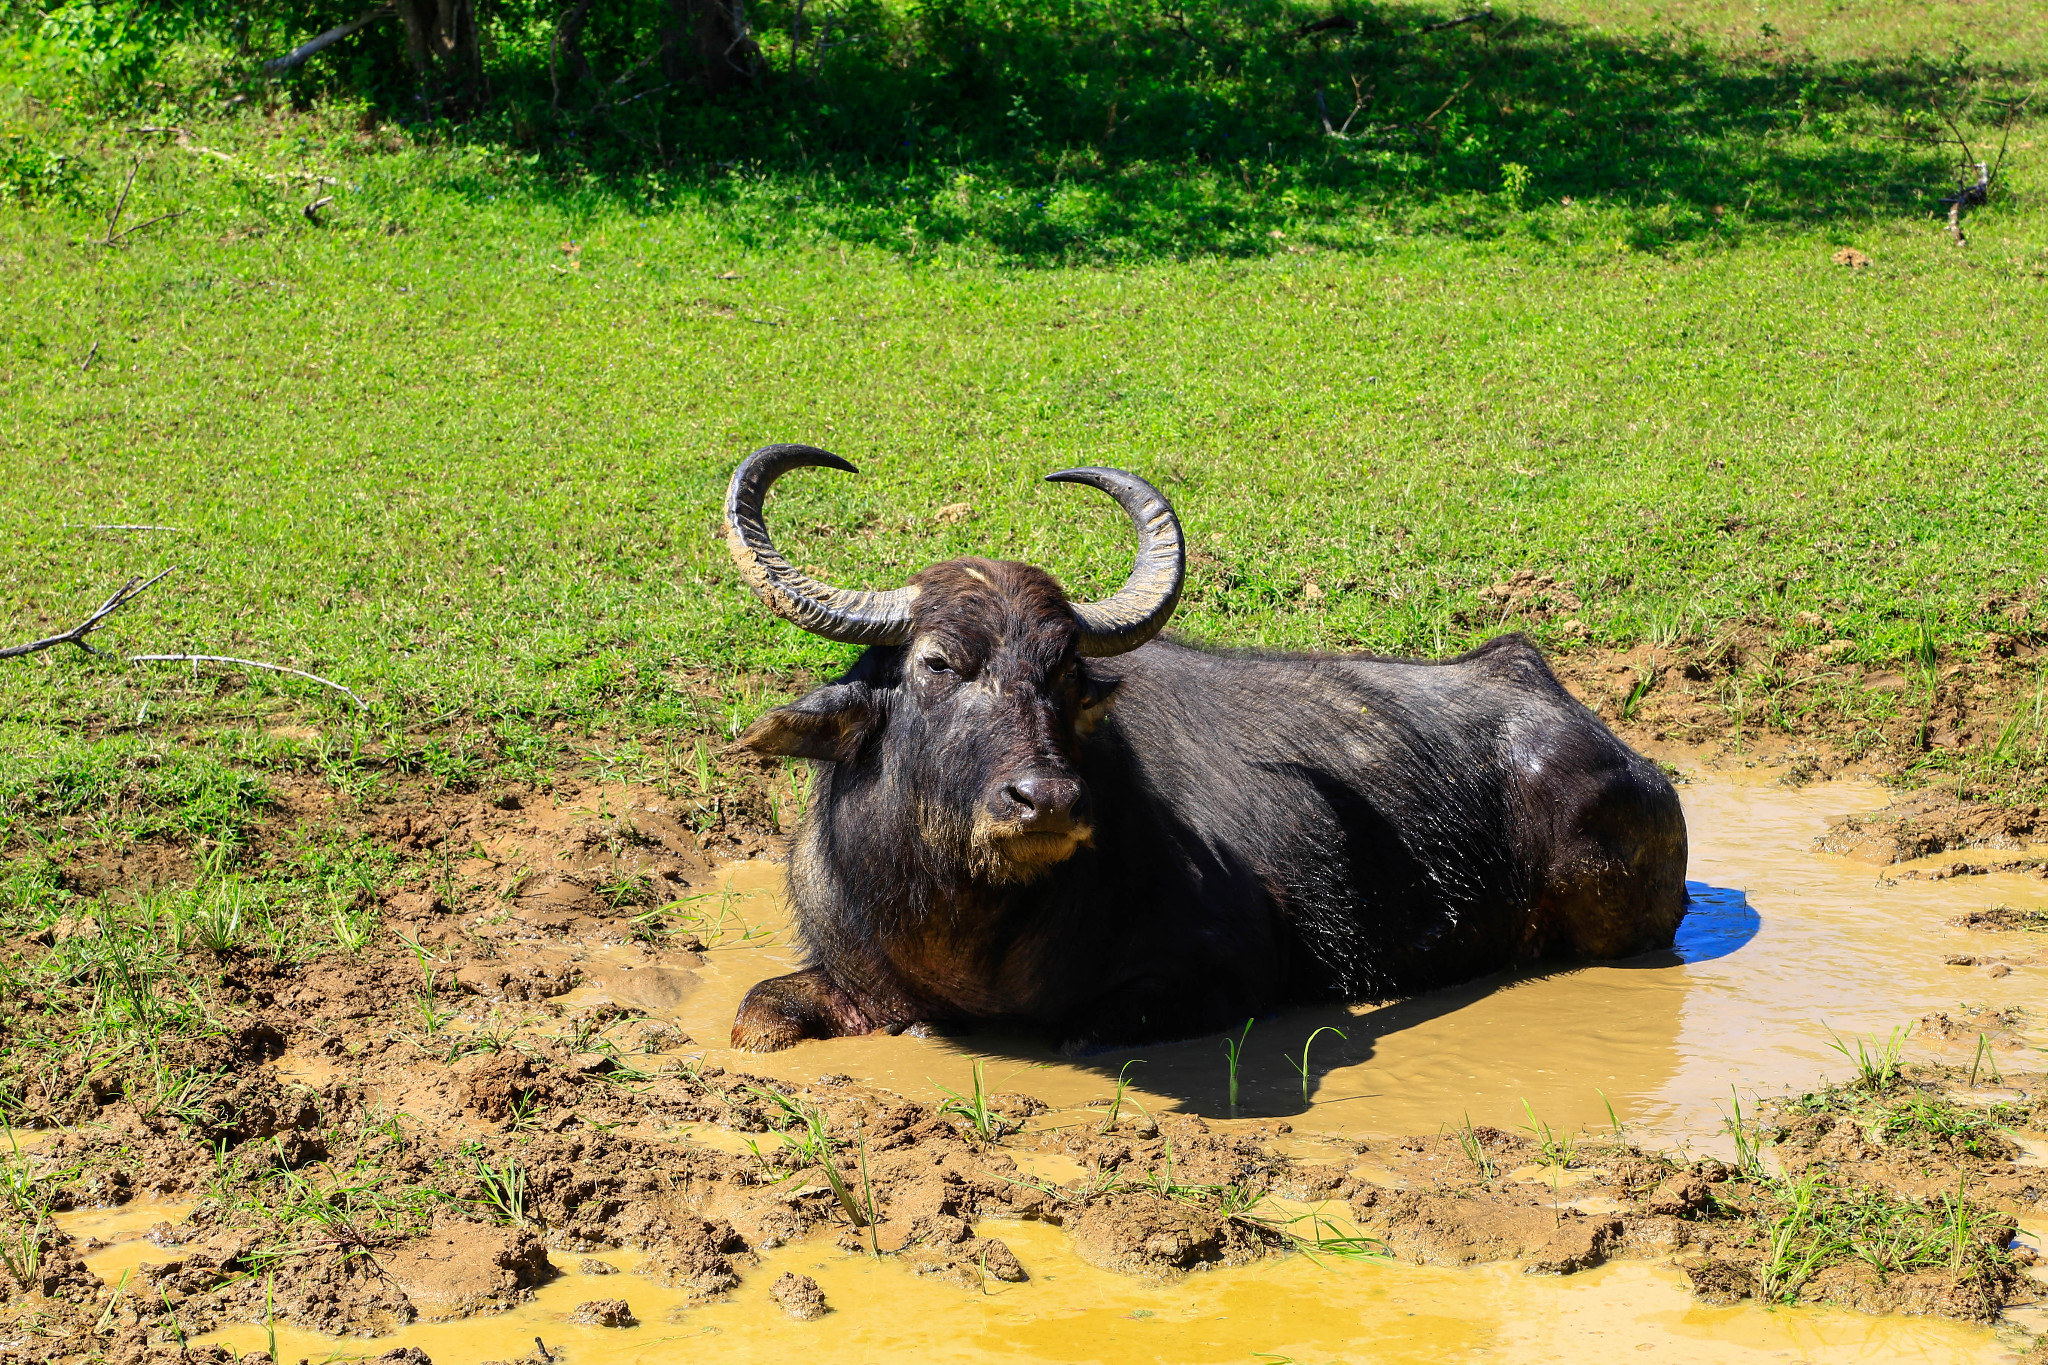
{"x": 964, "y": 715}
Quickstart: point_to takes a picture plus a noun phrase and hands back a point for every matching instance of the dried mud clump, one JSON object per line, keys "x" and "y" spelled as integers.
{"x": 455, "y": 1271}
{"x": 1473, "y": 1226}
{"x": 799, "y": 1296}
{"x": 604, "y": 1313}
{"x": 1925, "y": 823}
{"x": 1157, "y": 1238}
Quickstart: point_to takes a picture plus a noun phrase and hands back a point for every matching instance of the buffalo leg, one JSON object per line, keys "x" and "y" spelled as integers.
{"x": 784, "y": 1010}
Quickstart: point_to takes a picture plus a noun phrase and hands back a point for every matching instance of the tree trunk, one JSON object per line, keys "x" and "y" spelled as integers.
{"x": 711, "y": 43}
{"x": 569, "y": 39}
{"x": 441, "y": 35}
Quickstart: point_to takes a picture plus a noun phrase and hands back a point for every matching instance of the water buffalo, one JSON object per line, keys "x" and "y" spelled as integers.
{"x": 1030, "y": 811}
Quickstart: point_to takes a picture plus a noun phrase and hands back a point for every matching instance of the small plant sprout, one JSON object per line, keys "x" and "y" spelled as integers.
{"x": 1475, "y": 1151}
{"x": 973, "y": 1106}
{"x": 1877, "y": 1067}
{"x": 504, "y": 1186}
{"x": 1613, "y": 1119}
{"x": 1233, "y": 1054}
{"x": 1116, "y": 1101}
{"x": 1302, "y": 1065}
{"x": 1984, "y": 1062}
{"x": 1556, "y": 1149}
{"x": 1748, "y": 1159}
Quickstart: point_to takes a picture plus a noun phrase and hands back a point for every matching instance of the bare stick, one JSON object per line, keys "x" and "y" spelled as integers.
{"x": 247, "y": 663}
{"x": 121, "y": 203}
{"x": 133, "y": 588}
{"x": 2012, "y": 113}
{"x": 312, "y": 210}
{"x": 116, "y": 239}
{"x": 86, "y": 363}
{"x": 313, "y": 47}
{"x": 1961, "y": 141}
{"x": 120, "y": 526}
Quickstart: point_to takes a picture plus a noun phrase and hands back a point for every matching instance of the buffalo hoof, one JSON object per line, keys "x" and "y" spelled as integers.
{"x": 784, "y": 1010}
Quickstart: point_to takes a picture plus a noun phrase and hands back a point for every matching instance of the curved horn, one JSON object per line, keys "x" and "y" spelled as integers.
{"x": 1139, "y": 609}
{"x": 847, "y": 615}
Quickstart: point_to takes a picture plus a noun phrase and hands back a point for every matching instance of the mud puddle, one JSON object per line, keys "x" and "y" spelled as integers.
{"x": 1071, "y": 1311}
{"x": 1786, "y": 950}
{"x": 116, "y": 1240}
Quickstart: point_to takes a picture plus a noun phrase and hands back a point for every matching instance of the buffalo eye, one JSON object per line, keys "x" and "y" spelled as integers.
{"x": 934, "y": 664}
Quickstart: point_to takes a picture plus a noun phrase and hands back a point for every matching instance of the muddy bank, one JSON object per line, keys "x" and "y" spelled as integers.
{"x": 509, "y": 1104}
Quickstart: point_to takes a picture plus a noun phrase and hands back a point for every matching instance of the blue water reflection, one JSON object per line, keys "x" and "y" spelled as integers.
{"x": 1718, "y": 921}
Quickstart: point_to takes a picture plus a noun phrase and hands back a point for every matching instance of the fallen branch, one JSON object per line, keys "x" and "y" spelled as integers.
{"x": 128, "y": 591}
{"x": 118, "y": 526}
{"x": 313, "y": 47}
{"x": 312, "y": 210}
{"x": 1483, "y": 12}
{"x": 361, "y": 705}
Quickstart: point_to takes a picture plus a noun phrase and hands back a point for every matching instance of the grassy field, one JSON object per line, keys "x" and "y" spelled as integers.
{"x": 460, "y": 445}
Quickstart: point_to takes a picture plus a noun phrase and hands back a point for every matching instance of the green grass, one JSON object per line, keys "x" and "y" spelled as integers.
{"x": 462, "y": 447}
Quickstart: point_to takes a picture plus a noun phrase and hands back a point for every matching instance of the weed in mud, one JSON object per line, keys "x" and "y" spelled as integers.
{"x": 504, "y": 1186}
{"x": 713, "y": 926}
{"x": 1553, "y": 1148}
{"x": 807, "y": 1144}
{"x": 1233, "y": 1054}
{"x": 1475, "y": 1152}
{"x": 1797, "y": 1244}
{"x": 1810, "y": 1223}
{"x": 1302, "y": 1065}
{"x": 973, "y": 1106}
{"x": 1116, "y": 1099}
{"x": 1983, "y": 1063}
{"x": 1744, "y": 1134}
{"x": 353, "y": 931}
{"x": 1614, "y": 1124}
{"x": 1876, "y": 1064}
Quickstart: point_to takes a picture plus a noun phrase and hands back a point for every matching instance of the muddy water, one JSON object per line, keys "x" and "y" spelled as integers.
{"x": 124, "y": 1231}
{"x": 1071, "y": 1312}
{"x": 1784, "y": 945}
{"x": 1785, "y": 949}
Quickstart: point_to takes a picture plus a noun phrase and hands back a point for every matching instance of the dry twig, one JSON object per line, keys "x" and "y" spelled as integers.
{"x": 119, "y": 526}
{"x": 133, "y": 588}
{"x": 361, "y": 705}
{"x": 1360, "y": 97}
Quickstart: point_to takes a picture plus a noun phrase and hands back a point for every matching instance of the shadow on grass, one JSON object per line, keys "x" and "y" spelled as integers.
{"x": 1126, "y": 130}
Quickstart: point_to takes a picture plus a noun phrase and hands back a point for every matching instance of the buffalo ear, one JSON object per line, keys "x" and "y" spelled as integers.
{"x": 828, "y": 725}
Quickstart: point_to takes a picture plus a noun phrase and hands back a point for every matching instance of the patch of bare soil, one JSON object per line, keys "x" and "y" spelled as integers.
{"x": 1810, "y": 709}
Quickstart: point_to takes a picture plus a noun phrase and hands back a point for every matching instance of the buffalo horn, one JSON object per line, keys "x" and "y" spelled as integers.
{"x": 1139, "y": 609}
{"x": 847, "y": 615}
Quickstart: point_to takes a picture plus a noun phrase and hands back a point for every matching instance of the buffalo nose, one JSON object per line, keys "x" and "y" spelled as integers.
{"x": 1044, "y": 803}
